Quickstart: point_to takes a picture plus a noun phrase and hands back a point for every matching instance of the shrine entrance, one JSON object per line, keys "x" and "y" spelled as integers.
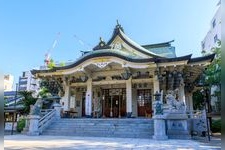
{"x": 114, "y": 104}
{"x": 144, "y": 102}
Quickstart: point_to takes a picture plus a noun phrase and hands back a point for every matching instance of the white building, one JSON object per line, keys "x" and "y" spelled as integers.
{"x": 8, "y": 82}
{"x": 27, "y": 82}
{"x": 214, "y": 33}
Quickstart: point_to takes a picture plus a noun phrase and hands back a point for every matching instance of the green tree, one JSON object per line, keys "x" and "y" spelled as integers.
{"x": 62, "y": 64}
{"x": 51, "y": 64}
{"x": 198, "y": 100}
{"x": 27, "y": 100}
{"x": 213, "y": 72}
{"x": 44, "y": 92}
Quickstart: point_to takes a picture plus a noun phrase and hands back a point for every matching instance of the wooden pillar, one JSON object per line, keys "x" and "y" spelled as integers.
{"x": 129, "y": 97}
{"x": 190, "y": 95}
{"x": 182, "y": 93}
{"x": 88, "y": 100}
{"x": 155, "y": 87}
{"x": 66, "y": 98}
{"x": 155, "y": 84}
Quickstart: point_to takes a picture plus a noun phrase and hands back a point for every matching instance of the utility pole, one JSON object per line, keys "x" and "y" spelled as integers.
{"x": 206, "y": 111}
{"x": 14, "y": 112}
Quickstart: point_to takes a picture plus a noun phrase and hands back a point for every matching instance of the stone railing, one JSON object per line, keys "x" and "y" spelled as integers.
{"x": 196, "y": 114}
{"x": 36, "y": 123}
{"x": 48, "y": 117}
{"x": 198, "y": 122}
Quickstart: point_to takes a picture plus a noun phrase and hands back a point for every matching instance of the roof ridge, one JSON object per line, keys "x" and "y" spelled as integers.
{"x": 168, "y": 43}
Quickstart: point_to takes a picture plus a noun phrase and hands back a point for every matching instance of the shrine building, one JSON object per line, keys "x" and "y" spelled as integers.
{"x": 119, "y": 78}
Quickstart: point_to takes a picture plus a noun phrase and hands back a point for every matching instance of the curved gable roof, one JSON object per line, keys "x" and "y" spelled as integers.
{"x": 118, "y": 31}
{"x": 104, "y": 53}
{"x": 104, "y": 50}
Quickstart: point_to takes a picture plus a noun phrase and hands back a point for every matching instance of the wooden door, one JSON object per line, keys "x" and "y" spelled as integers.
{"x": 144, "y": 101}
{"x": 115, "y": 106}
{"x": 83, "y": 104}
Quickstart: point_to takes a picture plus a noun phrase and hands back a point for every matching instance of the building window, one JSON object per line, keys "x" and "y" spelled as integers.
{"x": 203, "y": 45}
{"x": 23, "y": 80}
{"x": 214, "y": 23}
{"x": 24, "y": 73}
{"x": 215, "y": 38}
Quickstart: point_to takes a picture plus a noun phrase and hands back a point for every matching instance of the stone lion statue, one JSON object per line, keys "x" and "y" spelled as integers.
{"x": 36, "y": 108}
{"x": 173, "y": 101}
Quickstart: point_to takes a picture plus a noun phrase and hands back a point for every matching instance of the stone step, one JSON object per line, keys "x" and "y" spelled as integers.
{"x": 98, "y": 130}
{"x": 132, "y": 128}
{"x": 183, "y": 137}
{"x": 104, "y": 123}
{"x": 94, "y": 124}
{"x": 103, "y": 134}
{"x": 147, "y": 136}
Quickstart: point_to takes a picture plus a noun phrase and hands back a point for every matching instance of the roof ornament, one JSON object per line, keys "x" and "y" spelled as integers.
{"x": 101, "y": 39}
{"x": 101, "y": 45}
{"x": 117, "y": 21}
{"x": 118, "y": 25}
{"x": 102, "y": 42}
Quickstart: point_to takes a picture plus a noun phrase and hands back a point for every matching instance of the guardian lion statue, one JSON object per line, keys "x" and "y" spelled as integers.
{"x": 174, "y": 103}
{"x": 36, "y": 108}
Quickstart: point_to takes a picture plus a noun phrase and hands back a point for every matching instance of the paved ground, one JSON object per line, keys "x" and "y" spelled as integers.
{"x": 23, "y": 142}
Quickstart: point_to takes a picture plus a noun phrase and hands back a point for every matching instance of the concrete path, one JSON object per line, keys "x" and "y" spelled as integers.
{"x": 23, "y": 142}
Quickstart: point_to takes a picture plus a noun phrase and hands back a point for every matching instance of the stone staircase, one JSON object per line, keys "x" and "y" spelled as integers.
{"x": 123, "y": 128}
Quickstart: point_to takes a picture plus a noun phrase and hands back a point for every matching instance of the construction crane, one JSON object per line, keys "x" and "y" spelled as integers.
{"x": 48, "y": 54}
{"x": 87, "y": 45}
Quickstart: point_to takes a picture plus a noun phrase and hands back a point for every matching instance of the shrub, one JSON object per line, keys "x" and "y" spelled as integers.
{"x": 21, "y": 124}
{"x": 216, "y": 126}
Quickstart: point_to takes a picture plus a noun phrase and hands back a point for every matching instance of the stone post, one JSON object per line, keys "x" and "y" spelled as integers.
{"x": 159, "y": 119}
{"x": 57, "y": 108}
{"x": 33, "y": 125}
{"x": 159, "y": 128}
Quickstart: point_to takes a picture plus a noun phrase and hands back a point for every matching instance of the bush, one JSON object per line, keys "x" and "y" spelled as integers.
{"x": 216, "y": 126}
{"x": 21, "y": 124}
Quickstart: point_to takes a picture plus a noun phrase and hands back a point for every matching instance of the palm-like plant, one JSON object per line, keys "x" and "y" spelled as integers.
{"x": 27, "y": 100}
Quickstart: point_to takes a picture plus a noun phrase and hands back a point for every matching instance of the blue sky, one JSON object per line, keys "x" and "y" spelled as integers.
{"x": 29, "y": 28}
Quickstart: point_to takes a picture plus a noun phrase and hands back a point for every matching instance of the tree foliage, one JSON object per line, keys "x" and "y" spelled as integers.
{"x": 62, "y": 64}
{"x": 27, "y": 100}
{"x": 44, "y": 92}
{"x": 198, "y": 100}
{"x": 213, "y": 72}
{"x": 51, "y": 64}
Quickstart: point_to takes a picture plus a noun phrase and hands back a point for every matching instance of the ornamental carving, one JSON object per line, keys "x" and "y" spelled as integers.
{"x": 101, "y": 64}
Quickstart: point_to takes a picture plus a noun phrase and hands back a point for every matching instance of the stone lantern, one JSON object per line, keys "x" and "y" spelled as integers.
{"x": 159, "y": 119}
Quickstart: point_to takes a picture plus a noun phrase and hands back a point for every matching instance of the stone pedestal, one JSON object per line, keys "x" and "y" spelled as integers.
{"x": 57, "y": 107}
{"x": 33, "y": 125}
{"x": 177, "y": 126}
{"x": 159, "y": 128}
